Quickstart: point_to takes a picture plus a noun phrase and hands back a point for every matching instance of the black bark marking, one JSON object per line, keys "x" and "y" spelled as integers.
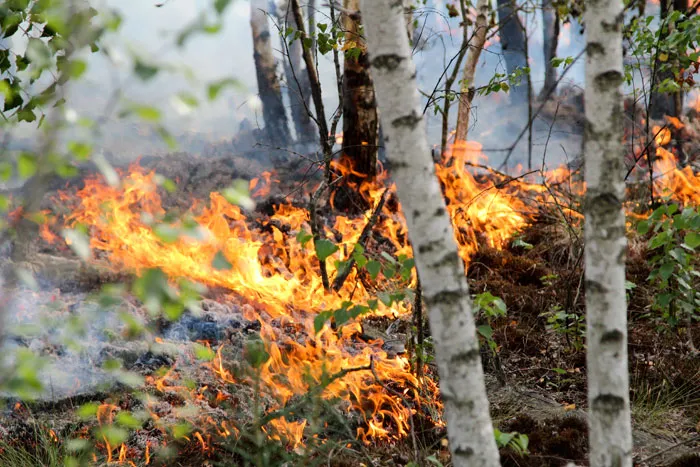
{"x": 609, "y": 79}
{"x": 612, "y": 337}
{"x": 464, "y": 451}
{"x": 595, "y": 287}
{"x": 444, "y": 297}
{"x": 594, "y": 48}
{"x": 388, "y": 62}
{"x": 467, "y": 356}
{"x": 409, "y": 121}
{"x": 608, "y": 403}
{"x": 439, "y": 212}
{"x": 416, "y": 213}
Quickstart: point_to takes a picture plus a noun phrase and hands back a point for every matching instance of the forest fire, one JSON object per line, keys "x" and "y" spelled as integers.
{"x": 278, "y": 277}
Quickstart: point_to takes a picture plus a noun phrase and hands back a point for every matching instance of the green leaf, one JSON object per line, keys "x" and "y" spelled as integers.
{"x": 181, "y": 430}
{"x": 692, "y": 239}
{"x": 643, "y": 227}
{"x": 486, "y": 331}
{"x": 215, "y": 88}
{"x": 373, "y": 267}
{"x": 666, "y": 270}
{"x": 239, "y": 195}
{"x": 325, "y": 248}
{"x": 167, "y": 233}
{"x": 88, "y": 410}
{"x": 202, "y": 352}
{"x": 26, "y": 165}
{"x": 77, "y": 444}
{"x": 220, "y": 5}
{"x": 145, "y": 71}
{"x": 321, "y": 319}
{"x": 79, "y": 243}
{"x": 385, "y": 298}
{"x": 127, "y": 420}
{"x": 220, "y": 263}
{"x": 303, "y": 237}
{"x": 255, "y": 353}
{"x": 80, "y": 150}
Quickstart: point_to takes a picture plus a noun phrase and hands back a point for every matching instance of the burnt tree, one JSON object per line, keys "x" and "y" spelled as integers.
{"x": 360, "y": 121}
{"x": 513, "y": 44}
{"x": 550, "y": 32}
{"x": 663, "y": 103}
{"x": 276, "y": 127}
{"x": 298, "y": 84}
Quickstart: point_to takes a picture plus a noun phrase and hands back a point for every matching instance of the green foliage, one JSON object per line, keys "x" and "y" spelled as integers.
{"x": 675, "y": 240}
{"x": 570, "y": 324}
{"x": 490, "y": 308}
{"x": 518, "y": 442}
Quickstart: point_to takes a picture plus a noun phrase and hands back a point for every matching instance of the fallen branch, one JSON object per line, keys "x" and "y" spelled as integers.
{"x": 364, "y": 236}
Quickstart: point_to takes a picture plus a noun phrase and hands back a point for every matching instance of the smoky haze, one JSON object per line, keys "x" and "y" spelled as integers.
{"x": 149, "y": 32}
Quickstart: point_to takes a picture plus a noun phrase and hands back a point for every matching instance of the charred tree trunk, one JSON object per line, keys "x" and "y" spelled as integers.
{"x": 606, "y": 311}
{"x": 298, "y": 85}
{"x": 550, "y": 30}
{"x": 360, "y": 132}
{"x": 274, "y": 114}
{"x": 468, "y": 89}
{"x": 512, "y": 35}
{"x": 665, "y": 103}
{"x": 441, "y": 270}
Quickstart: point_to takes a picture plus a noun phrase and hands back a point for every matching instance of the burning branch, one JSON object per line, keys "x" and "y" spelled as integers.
{"x": 364, "y": 236}
{"x": 317, "y": 233}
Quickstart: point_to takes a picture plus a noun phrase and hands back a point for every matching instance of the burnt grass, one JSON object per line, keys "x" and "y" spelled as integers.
{"x": 543, "y": 274}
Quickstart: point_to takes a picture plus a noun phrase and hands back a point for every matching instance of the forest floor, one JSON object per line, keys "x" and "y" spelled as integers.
{"x": 536, "y": 380}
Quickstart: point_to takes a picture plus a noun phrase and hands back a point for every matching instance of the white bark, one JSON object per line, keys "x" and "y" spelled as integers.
{"x": 608, "y": 385}
{"x": 468, "y": 89}
{"x": 440, "y": 268}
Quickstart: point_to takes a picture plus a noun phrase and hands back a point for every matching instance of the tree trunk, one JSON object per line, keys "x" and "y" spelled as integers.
{"x": 274, "y": 114}
{"x": 608, "y": 385}
{"x": 441, "y": 270}
{"x": 512, "y": 35}
{"x": 298, "y": 85}
{"x": 408, "y": 16}
{"x": 360, "y": 135}
{"x": 468, "y": 89}
{"x": 550, "y": 30}
{"x": 665, "y": 103}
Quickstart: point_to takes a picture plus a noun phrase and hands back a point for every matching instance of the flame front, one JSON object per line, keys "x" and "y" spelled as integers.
{"x": 279, "y": 280}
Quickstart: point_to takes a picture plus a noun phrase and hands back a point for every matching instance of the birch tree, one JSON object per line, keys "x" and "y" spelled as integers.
{"x": 440, "y": 268}
{"x": 265, "y": 67}
{"x": 608, "y": 385}
{"x": 298, "y": 86}
{"x": 468, "y": 89}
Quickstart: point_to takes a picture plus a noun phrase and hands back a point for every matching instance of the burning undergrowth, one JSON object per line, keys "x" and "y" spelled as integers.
{"x": 285, "y": 322}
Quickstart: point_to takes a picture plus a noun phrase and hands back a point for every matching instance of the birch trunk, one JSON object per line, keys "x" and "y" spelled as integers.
{"x": 274, "y": 113}
{"x": 468, "y": 89}
{"x": 608, "y": 385}
{"x": 360, "y": 121}
{"x": 441, "y": 270}
{"x": 550, "y": 32}
{"x": 298, "y": 85}
{"x": 512, "y": 35}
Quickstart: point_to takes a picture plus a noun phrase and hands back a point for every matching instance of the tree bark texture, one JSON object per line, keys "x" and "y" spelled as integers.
{"x": 468, "y": 88}
{"x": 298, "y": 85}
{"x": 606, "y": 313}
{"x": 512, "y": 36}
{"x": 274, "y": 113}
{"x": 666, "y": 103}
{"x": 441, "y": 270}
{"x": 360, "y": 121}
{"x": 550, "y": 30}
